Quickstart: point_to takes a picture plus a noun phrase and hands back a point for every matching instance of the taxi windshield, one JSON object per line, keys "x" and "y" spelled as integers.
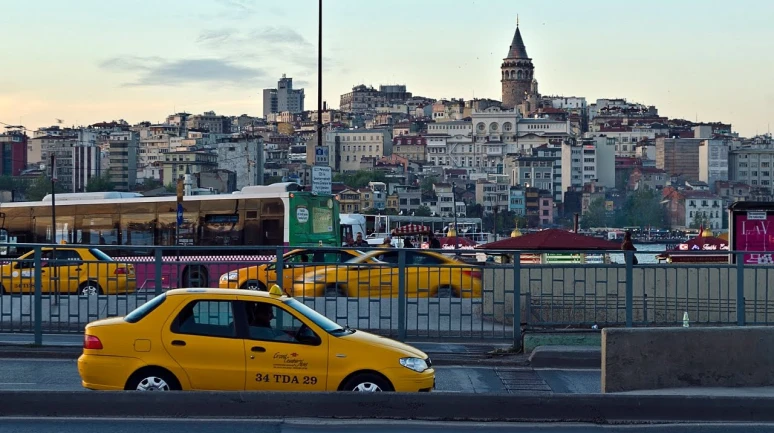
{"x": 323, "y": 322}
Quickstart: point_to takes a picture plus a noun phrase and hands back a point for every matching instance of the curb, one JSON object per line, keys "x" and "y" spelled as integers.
{"x": 567, "y": 357}
{"x": 597, "y": 409}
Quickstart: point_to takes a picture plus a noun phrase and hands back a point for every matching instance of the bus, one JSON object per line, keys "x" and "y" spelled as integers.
{"x": 252, "y": 222}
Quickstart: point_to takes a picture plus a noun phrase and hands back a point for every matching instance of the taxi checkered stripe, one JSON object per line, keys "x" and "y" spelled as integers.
{"x": 198, "y": 259}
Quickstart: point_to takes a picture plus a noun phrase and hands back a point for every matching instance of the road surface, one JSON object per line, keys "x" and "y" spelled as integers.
{"x": 62, "y": 375}
{"x": 94, "y": 425}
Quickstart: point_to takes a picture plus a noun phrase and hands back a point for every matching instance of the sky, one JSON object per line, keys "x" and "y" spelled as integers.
{"x": 86, "y": 61}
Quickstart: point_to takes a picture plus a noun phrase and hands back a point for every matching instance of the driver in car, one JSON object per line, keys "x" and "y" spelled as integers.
{"x": 260, "y": 324}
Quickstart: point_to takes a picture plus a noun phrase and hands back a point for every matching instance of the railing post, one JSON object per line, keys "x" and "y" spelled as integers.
{"x": 629, "y": 258}
{"x": 740, "y": 307}
{"x": 402, "y": 295}
{"x": 37, "y": 298}
{"x": 516, "y": 301}
{"x": 280, "y": 267}
{"x": 157, "y": 262}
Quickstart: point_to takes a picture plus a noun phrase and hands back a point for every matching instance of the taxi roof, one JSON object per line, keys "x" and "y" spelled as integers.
{"x": 224, "y": 292}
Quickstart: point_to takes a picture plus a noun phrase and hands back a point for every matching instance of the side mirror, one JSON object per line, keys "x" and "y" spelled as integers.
{"x": 310, "y": 340}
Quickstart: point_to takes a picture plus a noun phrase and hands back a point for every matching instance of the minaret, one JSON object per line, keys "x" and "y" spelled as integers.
{"x": 517, "y": 72}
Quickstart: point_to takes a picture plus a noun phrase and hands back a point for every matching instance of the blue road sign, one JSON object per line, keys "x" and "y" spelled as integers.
{"x": 179, "y": 214}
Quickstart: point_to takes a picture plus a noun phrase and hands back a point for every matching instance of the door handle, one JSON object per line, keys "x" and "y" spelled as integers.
{"x": 178, "y": 343}
{"x": 258, "y": 349}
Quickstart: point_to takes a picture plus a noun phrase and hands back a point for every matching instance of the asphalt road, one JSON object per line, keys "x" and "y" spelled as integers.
{"x": 62, "y": 375}
{"x": 90, "y": 425}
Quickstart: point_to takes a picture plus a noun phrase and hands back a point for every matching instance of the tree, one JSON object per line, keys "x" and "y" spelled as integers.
{"x": 596, "y": 215}
{"x": 41, "y": 186}
{"x": 423, "y": 211}
{"x": 642, "y": 209}
{"x": 700, "y": 221}
{"x": 360, "y": 179}
{"x": 171, "y": 187}
{"x": 148, "y": 184}
{"x": 427, "y": 183}
{"x": 474, "y": 210}
{"x": 99, "y": 184}
{"x": 12, "y": 183}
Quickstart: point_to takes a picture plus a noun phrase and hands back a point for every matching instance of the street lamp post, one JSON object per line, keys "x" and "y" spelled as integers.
{"x": 454, "y": 210}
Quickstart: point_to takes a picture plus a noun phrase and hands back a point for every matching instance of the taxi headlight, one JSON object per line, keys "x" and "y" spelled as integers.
{"x": 416, "y": 364}
{"x": 231, "y": 276}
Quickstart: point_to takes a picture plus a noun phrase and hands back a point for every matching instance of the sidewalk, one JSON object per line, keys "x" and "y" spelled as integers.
{"x": 70, "y": 346}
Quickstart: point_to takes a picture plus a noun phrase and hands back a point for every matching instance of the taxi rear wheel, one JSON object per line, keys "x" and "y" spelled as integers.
{"x": 254, "y": 285}
{"x": 90, "y": 288}
{"x": 446, "y": 292}
{"x": 367, "y": 382}
{"x": 334, "y": 290}
{"x": 152, "y": 379}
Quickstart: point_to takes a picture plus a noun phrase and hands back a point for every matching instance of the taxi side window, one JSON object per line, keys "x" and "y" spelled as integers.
{"x": 268, "y": 322}
{"x": 206, "y": 318}
{"x": 66, "y": 257}
{"x": 421, "y": 259}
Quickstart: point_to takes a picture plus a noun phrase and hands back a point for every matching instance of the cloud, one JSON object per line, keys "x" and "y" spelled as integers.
{"x": 241, "y": 9}
{"x": 130, "y": 63}
{"x": 279, "y": 35}
{"x": 156, "y": 72}
{"x": 259, "y": 40}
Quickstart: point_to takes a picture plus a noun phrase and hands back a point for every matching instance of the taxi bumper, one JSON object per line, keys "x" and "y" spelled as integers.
{"x": 405, "y": 380}
{"x": 107, "y": 373}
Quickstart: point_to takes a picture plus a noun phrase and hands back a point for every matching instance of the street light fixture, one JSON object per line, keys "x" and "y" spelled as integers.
{"x": 454, "y": 210}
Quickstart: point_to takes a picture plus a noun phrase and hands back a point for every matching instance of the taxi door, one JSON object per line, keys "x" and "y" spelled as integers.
{"x": 23, "y": 273}
{"x": 202, "y": 338}
{"x": 282, "y": 352}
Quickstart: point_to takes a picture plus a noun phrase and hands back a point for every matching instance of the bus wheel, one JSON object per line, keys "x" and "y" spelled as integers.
{"x": 195, "y": 276}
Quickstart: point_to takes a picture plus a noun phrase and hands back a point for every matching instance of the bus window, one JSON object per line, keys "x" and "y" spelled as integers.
{"x": 3, "y": 242}
{"x": 221, "y": 223}
{"x": 137, "y": 225}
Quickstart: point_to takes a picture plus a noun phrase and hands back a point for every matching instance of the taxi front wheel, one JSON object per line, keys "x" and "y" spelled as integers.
{"x": 367, "y": 382}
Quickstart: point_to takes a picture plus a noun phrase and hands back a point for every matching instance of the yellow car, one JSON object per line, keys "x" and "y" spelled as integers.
{"x": 295, "y": 264}
{"x": 69, "y": 270}
{"x": 428, "y": 274}
{"x": 237, "y": 340}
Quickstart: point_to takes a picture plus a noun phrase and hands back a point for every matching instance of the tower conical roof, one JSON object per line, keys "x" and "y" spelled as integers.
{"x": 518, "y": 50}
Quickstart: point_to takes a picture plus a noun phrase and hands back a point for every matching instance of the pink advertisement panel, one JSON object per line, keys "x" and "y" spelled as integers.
{"x": 754, "y": 231}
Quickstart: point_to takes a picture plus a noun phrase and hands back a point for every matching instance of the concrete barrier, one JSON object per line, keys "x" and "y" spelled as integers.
{"x": 565, "y": 357}
{"x": 433, "y": 406}
{"x": 659, "y": 358}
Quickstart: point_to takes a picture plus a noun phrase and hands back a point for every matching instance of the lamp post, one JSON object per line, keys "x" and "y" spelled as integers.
{"x": 454, "y": 210}
{"x": 496, "y": 209}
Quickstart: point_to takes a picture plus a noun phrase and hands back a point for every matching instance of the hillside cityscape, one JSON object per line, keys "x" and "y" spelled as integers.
{"x": 529, "y": 159}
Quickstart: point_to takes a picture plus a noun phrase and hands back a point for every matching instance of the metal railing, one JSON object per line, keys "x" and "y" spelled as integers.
{"x": 61, "y": 288}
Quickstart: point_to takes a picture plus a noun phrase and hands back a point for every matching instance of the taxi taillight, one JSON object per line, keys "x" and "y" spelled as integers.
{"x": 119, "y": 271}
{"x": 473, "y": 273}
{"x": 91, "y": 342}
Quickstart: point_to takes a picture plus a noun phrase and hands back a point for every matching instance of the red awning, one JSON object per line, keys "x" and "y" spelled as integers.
{"x": 552, "y": 239}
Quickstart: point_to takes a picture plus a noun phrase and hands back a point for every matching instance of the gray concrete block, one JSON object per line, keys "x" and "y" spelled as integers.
{"x": 565, "y": 357}
{"x": 660, "y": 358}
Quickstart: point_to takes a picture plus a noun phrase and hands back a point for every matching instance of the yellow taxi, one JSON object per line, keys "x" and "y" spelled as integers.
{"x": 237, "y": 340}
{"x": 295, "y": 264}
{"x": 70, "y": 270}
{"x": 376, "y": 274}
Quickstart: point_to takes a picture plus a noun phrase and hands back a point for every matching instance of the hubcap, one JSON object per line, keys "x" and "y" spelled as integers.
{"x": 367, "y": 387}
{"x": 153, "y": 383}
{"x": 90, "y": 290}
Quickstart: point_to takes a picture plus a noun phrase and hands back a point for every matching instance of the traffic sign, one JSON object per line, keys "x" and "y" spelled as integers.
{"x": 321, "y": 155}
{"x": 321, "y": 179}
{"x": 179, "y": 214}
